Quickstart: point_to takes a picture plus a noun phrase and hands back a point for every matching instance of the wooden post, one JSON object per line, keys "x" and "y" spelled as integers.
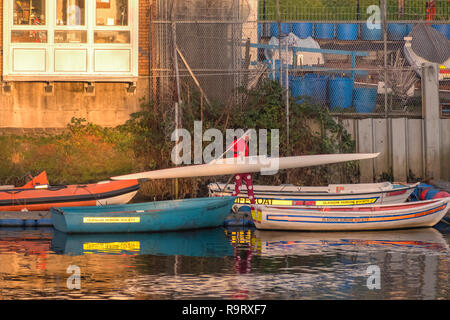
{"x": 246, "y": 62}
{"x": 193, "y": 76}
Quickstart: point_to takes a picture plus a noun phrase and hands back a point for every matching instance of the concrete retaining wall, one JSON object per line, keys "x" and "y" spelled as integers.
{"x": 29, "y": 106}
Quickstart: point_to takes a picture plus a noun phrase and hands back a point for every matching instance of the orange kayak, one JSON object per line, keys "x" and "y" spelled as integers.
{"x": 38, "y": 195}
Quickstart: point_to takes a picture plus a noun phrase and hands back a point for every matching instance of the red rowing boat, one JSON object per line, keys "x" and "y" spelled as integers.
{"x": 38, "y": 195}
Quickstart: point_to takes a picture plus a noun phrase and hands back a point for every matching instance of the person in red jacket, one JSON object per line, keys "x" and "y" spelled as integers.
{"x": 241, "y": 150}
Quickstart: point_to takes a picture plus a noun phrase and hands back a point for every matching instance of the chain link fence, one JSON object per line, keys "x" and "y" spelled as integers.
{"x": 197, "y": 42}
{"x": 357, "y": 57}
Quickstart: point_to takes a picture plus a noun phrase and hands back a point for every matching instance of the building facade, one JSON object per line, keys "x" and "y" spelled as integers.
{"x": 73, "y": 58}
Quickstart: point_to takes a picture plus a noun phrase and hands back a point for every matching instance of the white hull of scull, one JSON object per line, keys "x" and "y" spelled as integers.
{"x": 262, "y": 164}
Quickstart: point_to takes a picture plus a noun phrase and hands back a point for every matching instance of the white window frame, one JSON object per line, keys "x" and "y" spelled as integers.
{"x": 91, "y": 49}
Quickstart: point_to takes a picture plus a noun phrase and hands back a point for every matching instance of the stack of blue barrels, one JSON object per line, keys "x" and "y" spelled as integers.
{"x": 338, "y": 91}
{"x": 346, "y": 31}
{"x": 335, "y": 91}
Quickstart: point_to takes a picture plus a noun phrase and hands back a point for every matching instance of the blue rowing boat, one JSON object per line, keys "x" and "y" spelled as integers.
{"x": 155, "y": 216}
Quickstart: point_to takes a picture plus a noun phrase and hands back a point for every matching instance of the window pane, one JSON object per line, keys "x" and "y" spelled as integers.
{"x": 28, "y": 36}
{"x": 70, "y": 13}
{"x": 112, "y": 12}
{"x": 112, "y": 37}
{"x": 29, "y": 12}
{"x": 72, "y": 36}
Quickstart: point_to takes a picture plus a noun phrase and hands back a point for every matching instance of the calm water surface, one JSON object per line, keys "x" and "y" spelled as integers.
{"x": 225, "y": 264}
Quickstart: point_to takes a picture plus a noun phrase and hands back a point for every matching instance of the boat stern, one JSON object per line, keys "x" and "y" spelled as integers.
{"x": 58, "y": 219}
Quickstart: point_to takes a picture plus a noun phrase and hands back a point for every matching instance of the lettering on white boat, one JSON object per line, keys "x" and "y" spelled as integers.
{"x": 345, "y": 202}
{"x": 244, "y": 200}
{"x": 111, "y": 219}
{"x": 256, "y": 215}
{"x": 345, "y": 219}
{"x": 281, "y": 202}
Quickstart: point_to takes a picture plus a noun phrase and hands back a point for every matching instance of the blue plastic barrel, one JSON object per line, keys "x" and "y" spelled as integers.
{"x": 397, "y": 31}
{"x": 317, "y": 88}
{"x": 347, "y": 31}
{"x": 365, "y": 99}
{"x": 298, "y": 87}
{"x": 371, "y": 34}
{"x": 285, "y": 28}
{"x": 324, "y": 31}
{"x": 340, "y": 92}
{"x": 302, "y": 30}
{"x": 274, "y": 29}
{"x": 443, "y": 28}
{"x": 274, "y": 68}
{"x": 409, "y": 27}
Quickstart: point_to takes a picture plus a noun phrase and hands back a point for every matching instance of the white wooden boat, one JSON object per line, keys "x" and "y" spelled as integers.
{"x": 351, "y": 218}
{"x": 331, "y": 195}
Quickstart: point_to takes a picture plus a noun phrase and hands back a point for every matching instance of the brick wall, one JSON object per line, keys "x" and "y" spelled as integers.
{"x": 144, "y": 25}
{"x": 1, "y": 37}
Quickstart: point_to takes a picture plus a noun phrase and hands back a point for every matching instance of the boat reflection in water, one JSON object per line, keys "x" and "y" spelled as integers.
{"x": 273, "y": 243}
{"x": 195, "y": 243}
{"x": 231, "y": 263}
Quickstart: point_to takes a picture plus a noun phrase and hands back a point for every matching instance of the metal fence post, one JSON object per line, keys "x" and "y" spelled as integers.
{"x": 432, "y": 132}
{"x": 384, "y": 25}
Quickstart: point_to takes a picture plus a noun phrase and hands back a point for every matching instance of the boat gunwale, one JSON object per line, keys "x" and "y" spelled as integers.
{"x": 68, "y": 198}
{"x": 57, "y": 187}
{"x": 435, "y": 209}
{"x": 349, "y": 208}
{"x": 312, "y": 193}
{"x": 194, "y": 202}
